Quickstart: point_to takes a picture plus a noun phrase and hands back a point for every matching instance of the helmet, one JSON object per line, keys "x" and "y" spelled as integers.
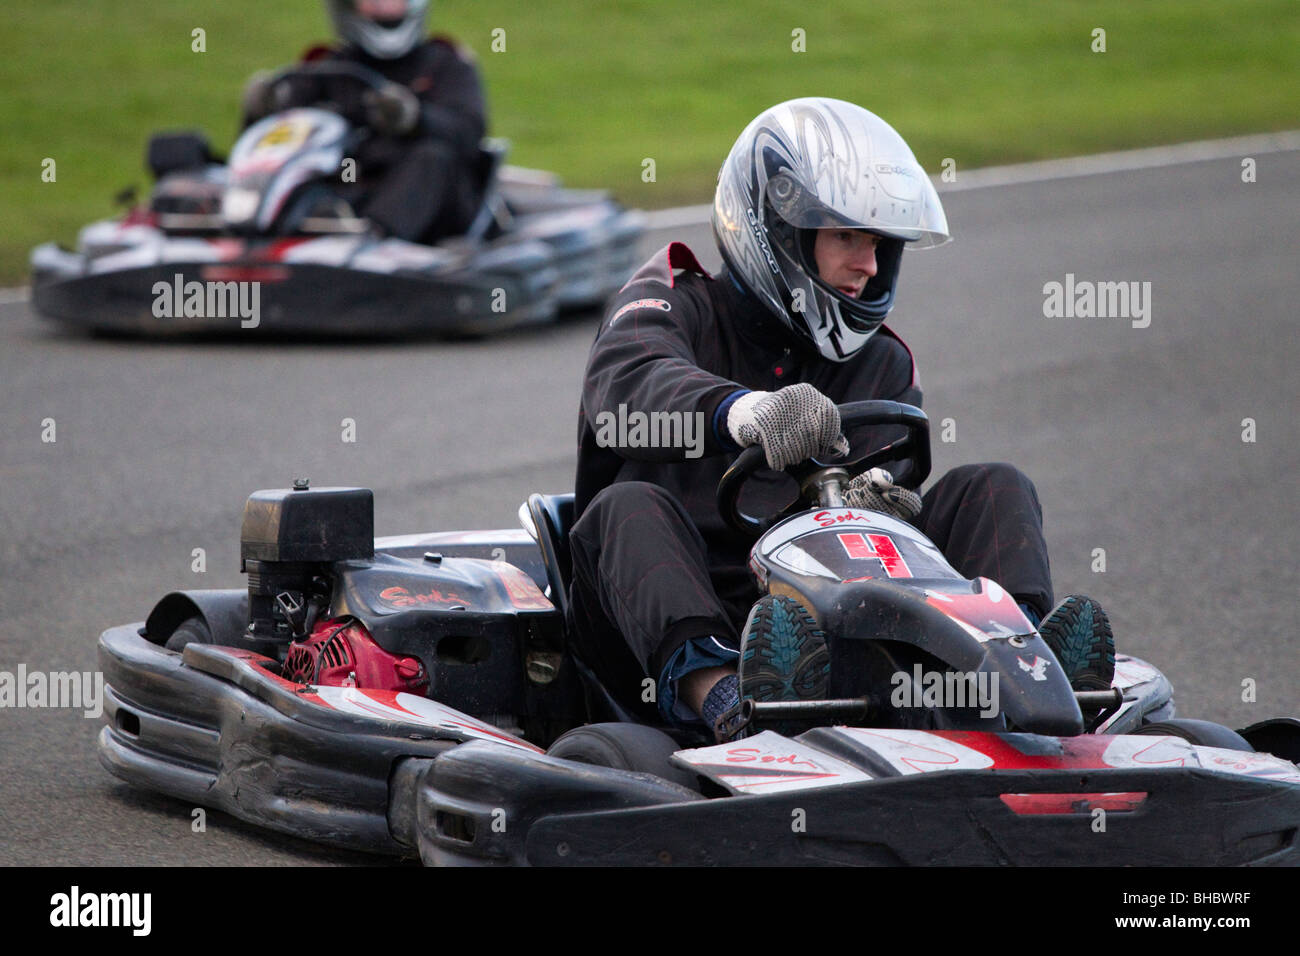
{"x": 383, "y": 29}
{"x": 811, "y": 164}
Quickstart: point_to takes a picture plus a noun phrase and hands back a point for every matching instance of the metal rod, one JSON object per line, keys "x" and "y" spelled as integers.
{"x": 847, "y": 707}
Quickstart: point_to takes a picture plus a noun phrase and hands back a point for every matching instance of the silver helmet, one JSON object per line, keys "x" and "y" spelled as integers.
{"x": 384, "y": 29}
{"x": 811, "y": 164}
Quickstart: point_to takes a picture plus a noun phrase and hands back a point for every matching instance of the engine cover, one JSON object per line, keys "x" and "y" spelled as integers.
{"x": 316, "y": 525}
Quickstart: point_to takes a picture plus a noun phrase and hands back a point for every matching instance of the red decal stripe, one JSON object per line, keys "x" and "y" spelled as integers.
{"x": 878, "y": 546}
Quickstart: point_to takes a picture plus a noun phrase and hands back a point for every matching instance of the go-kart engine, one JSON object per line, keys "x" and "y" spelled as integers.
{"x": 339, "y": 652}
{"x": 287, "y": 544}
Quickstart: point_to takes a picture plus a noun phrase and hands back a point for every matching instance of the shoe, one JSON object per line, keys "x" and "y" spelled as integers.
{"x": 783, "y": 657}
{"x": 1078, "y": 632}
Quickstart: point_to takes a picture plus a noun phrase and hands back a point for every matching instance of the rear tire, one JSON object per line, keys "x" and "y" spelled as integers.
{"x": 193, "y": 630}
{"x": 1202, "y": 733}
{"x": 633, "y": 747}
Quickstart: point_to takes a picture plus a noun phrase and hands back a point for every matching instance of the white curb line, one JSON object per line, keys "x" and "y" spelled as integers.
{"x": 992, "y": 176}
{"x": 1043, "y": 170}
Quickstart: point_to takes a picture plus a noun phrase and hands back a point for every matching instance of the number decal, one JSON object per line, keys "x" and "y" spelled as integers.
{"x": 878, "y": 546}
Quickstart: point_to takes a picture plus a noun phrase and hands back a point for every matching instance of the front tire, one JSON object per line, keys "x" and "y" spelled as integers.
{"x": 1202, "y": 733}
{"x": 633, "y": 747}
{"x": 193, "y": 630}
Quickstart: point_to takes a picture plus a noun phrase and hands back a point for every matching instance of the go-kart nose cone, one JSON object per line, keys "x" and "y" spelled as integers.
{"x": 1036, "y": 696}
{"x": 239, "y": 205}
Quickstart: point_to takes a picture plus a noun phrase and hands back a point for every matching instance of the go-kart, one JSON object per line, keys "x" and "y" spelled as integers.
{"x": 269, "y": 242}
{"x": 416, "y": 696}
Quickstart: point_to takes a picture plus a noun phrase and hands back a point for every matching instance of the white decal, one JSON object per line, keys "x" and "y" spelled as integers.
{"x": 796, "y": 559}
{"x": 632, "y": 306}
{"x": 1138, "y": 751}
{"x": 1248, "y": 764}
{"x": 1129, "y": 672}
{"x": 411, "y": 709}
{"x": 1037, "y": 669}
{"x": 1143, "y": 751}
{"x": 769, "y": 763}
{"x": 918, "y": 751}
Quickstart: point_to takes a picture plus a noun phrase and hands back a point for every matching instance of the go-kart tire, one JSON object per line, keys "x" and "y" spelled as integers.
{"x": 624, "y": 747}
{"x": 1202, "y": 733}
{"x": 193, "y": 630}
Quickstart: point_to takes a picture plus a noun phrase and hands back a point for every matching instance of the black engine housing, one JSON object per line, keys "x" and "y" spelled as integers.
{"x": 288, "y": 540}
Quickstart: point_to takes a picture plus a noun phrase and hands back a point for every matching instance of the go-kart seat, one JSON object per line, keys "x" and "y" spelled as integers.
{"x": 175, "y": 151}
{"x": 493, "y": 216}
{"x": 552, "y": 517}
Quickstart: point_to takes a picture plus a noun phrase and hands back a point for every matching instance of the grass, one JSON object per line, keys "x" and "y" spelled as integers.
{"x": 591, "y": 91}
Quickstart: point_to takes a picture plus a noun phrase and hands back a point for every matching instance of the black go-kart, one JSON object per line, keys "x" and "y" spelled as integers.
{"x": 268, "y": 243}
{"x": 415, "y": 696}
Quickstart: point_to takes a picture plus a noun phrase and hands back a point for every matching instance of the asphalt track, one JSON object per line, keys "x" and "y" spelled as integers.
{"x": 1134, "y": 437}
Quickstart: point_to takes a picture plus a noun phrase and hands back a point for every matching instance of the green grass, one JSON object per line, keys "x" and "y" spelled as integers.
{"x": 591, "y": 90}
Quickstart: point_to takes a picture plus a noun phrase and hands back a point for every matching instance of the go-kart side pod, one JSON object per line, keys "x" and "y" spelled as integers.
{"x": 477, "y": 804}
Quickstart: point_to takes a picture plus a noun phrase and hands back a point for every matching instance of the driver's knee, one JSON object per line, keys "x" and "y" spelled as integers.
{"x": 629, "y": 519}
{"x": 989, "y": 480}
{"x": 624, "y": 499}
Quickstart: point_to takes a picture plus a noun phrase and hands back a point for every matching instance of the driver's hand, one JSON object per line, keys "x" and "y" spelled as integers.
{"x": 793, "y": 424}
{"x": 875, "y": 490}
{"x": 259, "y": 95}
{"x": 392, "y": 109}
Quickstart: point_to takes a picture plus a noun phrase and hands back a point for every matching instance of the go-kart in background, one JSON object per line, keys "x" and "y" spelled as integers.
{"x": 1133, "y": 436}
{"x": 591, "y": 94}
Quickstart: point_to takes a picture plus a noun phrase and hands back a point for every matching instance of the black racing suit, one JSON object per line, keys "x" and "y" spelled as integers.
{"x": 427, "y": 184}
{"x": 654, "y": 564}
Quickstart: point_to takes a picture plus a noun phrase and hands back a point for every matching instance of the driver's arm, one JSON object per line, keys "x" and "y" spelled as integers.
{"x": 645, "y": 359}
{"x": 264, "y": 95}
{"x": 452, "y": 105}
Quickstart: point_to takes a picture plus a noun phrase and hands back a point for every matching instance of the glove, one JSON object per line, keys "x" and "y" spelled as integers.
{"x": 258, "y": 98}
{"x": 793, "y": 424}
{"x": 875, "y": 490}
{"x": 391, "y": 110}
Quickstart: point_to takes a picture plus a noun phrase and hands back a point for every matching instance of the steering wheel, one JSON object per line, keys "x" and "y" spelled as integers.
{"x": 335, "y": 84}
{"x": 913, "y": 449}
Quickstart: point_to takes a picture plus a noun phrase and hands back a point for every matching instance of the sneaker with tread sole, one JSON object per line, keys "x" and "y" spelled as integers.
{"x": 783, "y": 657}
{"x": 1079, "y": 634}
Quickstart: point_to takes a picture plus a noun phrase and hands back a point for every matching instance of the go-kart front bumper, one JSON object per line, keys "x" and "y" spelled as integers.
{"x": 216, "y": 727}
{"x": 133, "y": 294}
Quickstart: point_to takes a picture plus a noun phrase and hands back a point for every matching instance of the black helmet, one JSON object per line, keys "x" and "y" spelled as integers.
{"x": 811, "y": 164}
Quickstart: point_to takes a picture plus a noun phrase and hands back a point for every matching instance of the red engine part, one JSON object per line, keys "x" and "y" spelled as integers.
{"x": 140, "y": 216}
{"x": 340, "y": 652}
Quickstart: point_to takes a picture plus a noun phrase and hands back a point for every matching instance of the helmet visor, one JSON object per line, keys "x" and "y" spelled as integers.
{"x": 380, "y": 11}
{"x": 896, "y": 202}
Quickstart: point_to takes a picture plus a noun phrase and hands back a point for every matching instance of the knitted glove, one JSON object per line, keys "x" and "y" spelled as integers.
{"x": 875, "y": 490}
{"x": 792, "y": 424}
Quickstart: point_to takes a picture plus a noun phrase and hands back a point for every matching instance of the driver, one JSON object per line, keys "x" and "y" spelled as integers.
{"x": 419, "y": 175}
{"x": 813, "y": 208}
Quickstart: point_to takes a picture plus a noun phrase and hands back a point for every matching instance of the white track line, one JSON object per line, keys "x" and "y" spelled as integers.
{"x": 1095, "y": 165}
{"x": 1075, "y": 166}
{"x": 1099, "y": 163}
{"x": 678, "y": 217}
